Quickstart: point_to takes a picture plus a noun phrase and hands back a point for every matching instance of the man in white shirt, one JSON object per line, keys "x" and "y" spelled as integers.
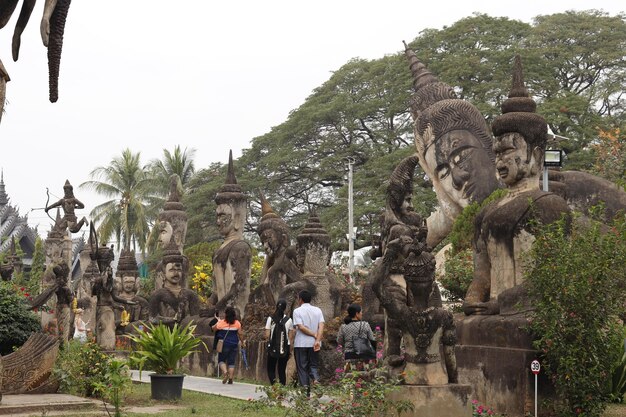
{"x": 309, "y": 324}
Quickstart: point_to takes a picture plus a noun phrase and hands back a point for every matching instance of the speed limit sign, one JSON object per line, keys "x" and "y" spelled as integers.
{"x": 535, "y": 367}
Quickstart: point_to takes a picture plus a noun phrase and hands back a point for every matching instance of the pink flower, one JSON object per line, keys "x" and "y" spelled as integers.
{"x": 377, "y": 328}
{"x": 474, "y": 401}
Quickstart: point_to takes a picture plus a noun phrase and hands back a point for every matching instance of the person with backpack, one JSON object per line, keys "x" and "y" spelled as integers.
{"x": 278, "y": 332}
{"x": 356, "y": 338}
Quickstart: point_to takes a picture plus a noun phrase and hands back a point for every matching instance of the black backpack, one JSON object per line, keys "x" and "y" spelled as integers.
{"x": 278, "y": 347}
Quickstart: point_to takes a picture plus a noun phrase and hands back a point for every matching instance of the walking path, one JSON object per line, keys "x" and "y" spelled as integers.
{"x": 239, "y": 390}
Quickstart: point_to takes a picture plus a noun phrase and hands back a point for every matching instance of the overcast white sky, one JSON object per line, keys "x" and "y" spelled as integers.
{"x": 151, "y": 74}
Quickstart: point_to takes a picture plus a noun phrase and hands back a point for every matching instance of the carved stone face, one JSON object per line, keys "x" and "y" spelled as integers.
{"x": 407, "y": 206}
{"x": 173, "y": 273}
{"x": 225, "y": 223}
{"x": 271, "y": 241}
{"x": 511, "y": 158}
{"x": 461, "y": 167}
{"x": 165, "y": 233}
{"x": 128, "y": 283}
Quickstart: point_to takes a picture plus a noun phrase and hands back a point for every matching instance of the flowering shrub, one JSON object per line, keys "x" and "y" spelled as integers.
{"x": 81, "y": 367}
{"x": 479, "y": 410}
{"x": 115, "y": 384}
{"x": 353, "y": 394}
{"x": 17, "y": 323}
{"x": 201, "y": 281}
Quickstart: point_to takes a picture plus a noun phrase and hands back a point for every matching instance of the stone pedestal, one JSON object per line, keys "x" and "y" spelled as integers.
{"x": 450, "y": 400}
{"x": 493, "y": 355}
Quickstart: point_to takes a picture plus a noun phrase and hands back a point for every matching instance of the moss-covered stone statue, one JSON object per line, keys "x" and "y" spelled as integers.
{"x": 505, "y": 228}
{"x": 127, "y": 288}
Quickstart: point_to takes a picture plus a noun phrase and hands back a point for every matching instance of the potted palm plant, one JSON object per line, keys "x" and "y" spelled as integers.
{"x": 160, "y": 348}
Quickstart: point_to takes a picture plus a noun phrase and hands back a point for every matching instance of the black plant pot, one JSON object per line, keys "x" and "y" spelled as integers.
{"x": 166, "y": 387}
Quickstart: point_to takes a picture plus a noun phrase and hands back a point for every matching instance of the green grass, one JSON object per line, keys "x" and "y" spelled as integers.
{"x": 192, "y": 404}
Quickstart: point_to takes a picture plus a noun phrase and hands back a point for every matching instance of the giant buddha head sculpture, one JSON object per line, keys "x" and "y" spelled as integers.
{"x": 453, "y": 142}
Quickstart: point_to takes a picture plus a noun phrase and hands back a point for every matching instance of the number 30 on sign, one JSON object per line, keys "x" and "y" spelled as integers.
{"x": 535, "y": 367}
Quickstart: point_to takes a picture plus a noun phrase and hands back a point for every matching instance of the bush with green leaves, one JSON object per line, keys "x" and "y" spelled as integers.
{"x": 160, "y": 348}
{"x": 353, "y": 394}
{"x": 458, "y": 275}
{"x": 116, "y": 382}
{"x": 81, "y": 367}
{"x": 17, "y": 322}
{"x": 577, "y": 283}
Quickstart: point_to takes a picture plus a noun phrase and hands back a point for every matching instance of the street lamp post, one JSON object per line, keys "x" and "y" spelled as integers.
{"x": 350, "y": 219}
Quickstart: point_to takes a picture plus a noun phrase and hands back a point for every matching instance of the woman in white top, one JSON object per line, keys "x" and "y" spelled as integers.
{"x": 80, "y": 327}
{"x": 278, "y": 342}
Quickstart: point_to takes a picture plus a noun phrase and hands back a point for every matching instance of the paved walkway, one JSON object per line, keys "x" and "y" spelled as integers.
{"x": 239, "y": 390}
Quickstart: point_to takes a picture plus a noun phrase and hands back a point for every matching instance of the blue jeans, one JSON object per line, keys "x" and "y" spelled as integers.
{"x": 306, "y": 364}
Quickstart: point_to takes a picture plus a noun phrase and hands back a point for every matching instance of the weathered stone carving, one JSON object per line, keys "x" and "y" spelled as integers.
{"x": 505, "y": 227}
{"x": 28, "y": 369}
{"x": 313, "y": 255}
{"x": 52, "y": 28}
{"x": 454, "y": 148}
{"x": 100, "y": 274}
{"x": 127, "y": 277}
{"x": 173, "y": 303}
{"x": 424, "y": 327}
{"x": 232, "y": 262}
{"x": 69, "y": 203}
{"x": 280, "y": 277}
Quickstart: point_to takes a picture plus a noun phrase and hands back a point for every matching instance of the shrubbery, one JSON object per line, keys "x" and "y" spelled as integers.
{"x": 578, "y": 288}
{"x": 17, "y": 322}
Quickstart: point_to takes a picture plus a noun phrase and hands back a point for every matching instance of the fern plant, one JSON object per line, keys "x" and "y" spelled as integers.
{"x": 160, "y": 348}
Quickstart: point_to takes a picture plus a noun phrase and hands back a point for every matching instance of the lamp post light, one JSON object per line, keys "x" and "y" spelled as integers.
{"x": 351, "y": 227}
{"x": 551, "y": 158}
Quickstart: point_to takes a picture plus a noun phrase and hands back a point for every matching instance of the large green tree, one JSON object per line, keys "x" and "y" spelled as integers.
{"x": 179, "y": 162}
{"x": 133, "y": 205}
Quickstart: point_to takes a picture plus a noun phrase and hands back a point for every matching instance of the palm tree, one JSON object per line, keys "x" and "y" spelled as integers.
{"x": 133, "y": 206}
{"x": 179, "y": 162}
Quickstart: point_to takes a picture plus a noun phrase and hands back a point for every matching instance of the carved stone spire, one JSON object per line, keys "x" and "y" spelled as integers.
{"x": 4, "y": 198}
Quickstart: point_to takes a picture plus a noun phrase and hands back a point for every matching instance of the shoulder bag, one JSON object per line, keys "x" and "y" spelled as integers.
{"x": 363, "y": 348}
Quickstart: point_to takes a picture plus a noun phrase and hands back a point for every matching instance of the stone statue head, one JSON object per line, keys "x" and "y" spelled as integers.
{"x": 172, "y": 221}
{"x": 127, "y": 272}
{"x": 520, "y": 133}
{"x": 231, "y": 204}
{"x": 453, "y": 142}
{"x": 313, "y": 246}
{"x": 68, "y": 189}
{"x": 172, "y": 265}
{"x": 272, "y": 230}
{"x": 419, "y": 273}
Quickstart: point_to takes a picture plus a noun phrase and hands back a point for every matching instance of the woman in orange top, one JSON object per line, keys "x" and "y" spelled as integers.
{"x": 228, "y": 330}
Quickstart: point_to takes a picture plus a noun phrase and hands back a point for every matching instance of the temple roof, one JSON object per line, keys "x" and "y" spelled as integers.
{"x": 14, "y": 226}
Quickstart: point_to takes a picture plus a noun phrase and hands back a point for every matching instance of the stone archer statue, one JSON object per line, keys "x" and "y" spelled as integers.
{"x": 69, "y": 203}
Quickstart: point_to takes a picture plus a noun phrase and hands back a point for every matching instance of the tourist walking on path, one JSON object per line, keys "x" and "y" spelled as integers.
{"x": 229, "y": 332}
{"x": 80, "y": 327}
{"x": 352, "y": 329}
{"x": 279, "y": 334}
{"x": 309, "y": 323}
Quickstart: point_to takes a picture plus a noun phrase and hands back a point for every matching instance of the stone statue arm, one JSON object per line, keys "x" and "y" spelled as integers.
{"x": 241, "y": 261}
{"x": 48, "y": 9}
{"x": 155, "y": 317}
{"x": 54, "y": 205}
{"x": 478, "y": 292}
{"x": 449, "y": 340}
{"x": 42, "y": 298}
{"x": 78, "y": 204}
{"x": 439, "y": 226}
{"x": 194, "y": 304}
{"x": 380, "y": 273}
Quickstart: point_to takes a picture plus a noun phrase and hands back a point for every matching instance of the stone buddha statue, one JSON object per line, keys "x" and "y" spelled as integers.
{"x": 232, "y": 261}
{"x": 424, "y": 326}
{"x": 173, "y": 303}
{"x": 127, "y": 280}
{"x": 504, "y": 228}
{"x": 453, "y": 146}
{"x": 172, "y": 224}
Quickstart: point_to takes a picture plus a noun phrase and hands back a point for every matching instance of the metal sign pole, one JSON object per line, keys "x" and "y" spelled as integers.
{"x": 535, "y": 367}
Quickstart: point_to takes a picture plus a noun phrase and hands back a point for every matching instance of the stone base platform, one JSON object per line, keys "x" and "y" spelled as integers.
{"x": 30, "y": 404}
{"x": 452, "y": 400}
